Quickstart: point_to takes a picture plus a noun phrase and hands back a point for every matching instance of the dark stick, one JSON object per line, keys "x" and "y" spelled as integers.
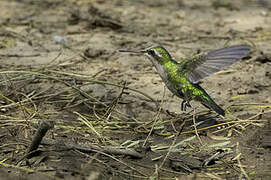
{"x": 44, "y": 126}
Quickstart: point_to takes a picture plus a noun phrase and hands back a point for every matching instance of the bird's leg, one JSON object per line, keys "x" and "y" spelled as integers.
{"x": 185, "y": 104}
{"x": 183, "y": 108}
{"x": 188, "y": 104}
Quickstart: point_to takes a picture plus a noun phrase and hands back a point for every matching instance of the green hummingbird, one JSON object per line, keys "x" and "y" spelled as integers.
{"x": 182, "y": 77}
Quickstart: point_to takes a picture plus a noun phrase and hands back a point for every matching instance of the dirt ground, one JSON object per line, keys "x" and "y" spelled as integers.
{"x": 113, "y": 117}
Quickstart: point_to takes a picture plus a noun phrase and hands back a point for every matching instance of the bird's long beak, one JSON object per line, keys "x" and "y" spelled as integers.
{"x": 133, "y": 51}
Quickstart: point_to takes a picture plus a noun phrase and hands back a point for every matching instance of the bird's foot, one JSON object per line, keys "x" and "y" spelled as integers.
{"x": 185, "y": 104}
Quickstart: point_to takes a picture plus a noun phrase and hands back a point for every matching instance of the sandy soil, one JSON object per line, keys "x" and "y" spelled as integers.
{"x": 59, "y": 60}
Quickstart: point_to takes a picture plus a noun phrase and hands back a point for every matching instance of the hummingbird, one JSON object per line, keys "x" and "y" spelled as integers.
{"x": 182, "y": 77}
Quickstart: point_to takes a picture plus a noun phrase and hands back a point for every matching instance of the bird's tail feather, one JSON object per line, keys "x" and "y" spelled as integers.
{"x": 208, "y": 102}
{"x": 212, "y": 105}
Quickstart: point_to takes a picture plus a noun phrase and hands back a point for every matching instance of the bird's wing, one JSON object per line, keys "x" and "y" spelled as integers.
{"x": 201, "y": 66}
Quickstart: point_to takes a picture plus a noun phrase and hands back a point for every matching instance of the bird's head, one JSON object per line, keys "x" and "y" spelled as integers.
{"x": 157, "y": 54}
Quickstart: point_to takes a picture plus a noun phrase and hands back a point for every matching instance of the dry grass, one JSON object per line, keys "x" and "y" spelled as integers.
{"x": 46, "y": 94}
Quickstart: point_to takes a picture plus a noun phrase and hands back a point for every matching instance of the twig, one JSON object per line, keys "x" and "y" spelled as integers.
{"x": 40, "y": 133}
{"x": 103, "y": 82}
{"x": 92, "y": 158}
{"x": 222, "y": 124}
{"x": 172, "y": 145}
{"x": 86, "y": 122}
{"x": 239, "y": 162}
{"x": 213, "y": 37}
{"x": 84, "y": 94}
{"x": 195, "y": 126}
{"x": 93, "y": 148}
{"x": 134, "y": 169}
{"x": 218, "y": 155}
{"x": 155, "y": 120}
{"x": 19, "y": 55}
{"x": 213, "y": 176}
{"x": 28, "y": 170}
{"x": 21, "y": 106}
{"x": 115, "y": 102}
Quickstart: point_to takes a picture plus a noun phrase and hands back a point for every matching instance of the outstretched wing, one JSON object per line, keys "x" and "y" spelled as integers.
{"x": 204, "y": 65}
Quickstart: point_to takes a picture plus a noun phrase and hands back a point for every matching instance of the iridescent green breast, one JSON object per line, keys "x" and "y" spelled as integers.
{"x": 174, "y": 80}
{"x": 179, "y": 85}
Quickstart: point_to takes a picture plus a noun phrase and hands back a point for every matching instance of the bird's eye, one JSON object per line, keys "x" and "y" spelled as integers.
{"x": 151, "y": 52}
